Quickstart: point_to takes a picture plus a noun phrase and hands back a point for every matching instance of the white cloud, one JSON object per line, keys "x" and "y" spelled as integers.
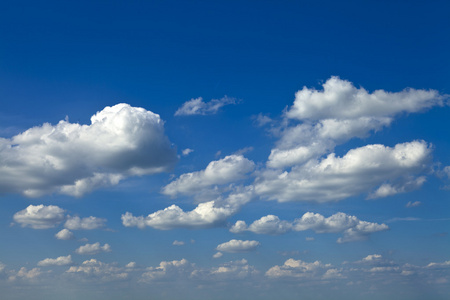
{"x": 338, "y": 113}
{"x": 60, "y": 261}
{"x": 40, "y": 216}
{"x": 413, "y": 204}
{"x": 205, "y": 215}
{"x": 96, "y": 269}
{"x": 64, "y": 234}
{"x": 340, "y": 99}
{"x": 233, "y": 270}
{"x": 198, "y": 107}
{"x": 298, "y": 268}
{"x": 360, "y": 170}
{"x": 178, "y": 243}
{"x": 187, "y": 151}
{"x": 27, "y": 274}
{"x": 89, "y": 223}
{"x": 168, "y": 269}
{"x": 218, "y": 255}
{"x": 90, "y": 249}
{"x": 226, "y": 170}
{"x": 74, "y": 159}
{"x": 238, "y": 246}
{"x": 445, "y": 264}
{"x": 352, "y": 228}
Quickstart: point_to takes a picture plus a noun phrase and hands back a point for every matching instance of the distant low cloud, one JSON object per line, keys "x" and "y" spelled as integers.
{"x": 90, "y": 249}
{"x": 178, "y": 243}
{"x": 96, "y": 270}
{"x": 413, "y": 204}
{"x": 74, "y": 159}
{"x": 351, "y": 227}
{"x": 198, "y": 107}
{"x": 40, "y": 216}
{"x": 238, "y": 246}
{"x": 60, "y": 261}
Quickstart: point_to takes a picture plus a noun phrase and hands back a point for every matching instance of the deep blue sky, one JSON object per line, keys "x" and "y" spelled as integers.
{"x": 69, "y": 60}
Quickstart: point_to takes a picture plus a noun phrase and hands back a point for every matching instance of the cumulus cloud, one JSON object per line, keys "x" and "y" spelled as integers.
{"x": 226, "y": 170}
{"x": 74, "y": 159}
{"x": 187, "y": 151}
{"x": 89, "y": 223}
{"x": 238, "y": 246}
{"x": 218, "y": 255}
{"x": 338, "y": 113}
{"x": 390, "y": 170}
{"x": 64, "y": 234}
{"x": 233, "y": 270}
{"x": 352, "y": 228}
{"x": 299, "y": 269}
{"x": 27, "y": 274}
{"x": 205, "y": 215}
{"x": 198, "y": 107}
{"x": 178, "y": 243}
{"x": 60, "y": 261}
{"x": 90, "y": 249}
{"x": 94, "y": 269}
{"x": 168, "y": 269}
{"x": 40, "y": 216}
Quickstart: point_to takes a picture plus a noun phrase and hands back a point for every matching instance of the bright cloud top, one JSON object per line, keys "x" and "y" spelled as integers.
{"x": 74, "y": 159}
{"x": 234, "y": 246}
{"x": 352, "y": 228}
{"x": 198, "y": 107}
{"x": 228, "y": 169}
{"x": 65, "y": 234}
{"x": 40, "y": 216}
{"x": 388, "y": 170}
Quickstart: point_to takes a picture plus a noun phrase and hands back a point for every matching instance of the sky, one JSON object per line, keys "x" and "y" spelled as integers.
{"x": 224, "y": 150}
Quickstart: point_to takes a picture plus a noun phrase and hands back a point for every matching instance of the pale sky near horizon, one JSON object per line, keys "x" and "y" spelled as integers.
{"x": 224, "y": 150}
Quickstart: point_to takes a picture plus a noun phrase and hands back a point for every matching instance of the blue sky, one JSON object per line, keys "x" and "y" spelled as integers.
{"x": 224, "y": 149}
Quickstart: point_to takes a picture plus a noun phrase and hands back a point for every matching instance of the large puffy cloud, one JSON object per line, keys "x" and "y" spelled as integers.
{"x": 89, "y": 223}
{"x": 391, "y": 170}
{"x": 352, "y": 228}
{"x": 207, "y": 214}
{"x": 225, "y": 170}
{"x": 338, "y": 113}
{"x": 74, "y": 159}
{"x": 60, "y": 261}
{"x": 90, "y": 249}
{"x": 238, "y": 246}
{"x": 198, "y": 107}
{"x": 40, "y": 216}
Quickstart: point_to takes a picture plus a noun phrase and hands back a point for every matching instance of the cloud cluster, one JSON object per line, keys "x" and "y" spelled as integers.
{"x": 388, "y": 170}
{"x": 205, "y": 215}
{"x": 168, "y": 269}
{"x": 90, "y": 249}
{"x": 74, "y": 159}
{"x": 300, "y": 269}
{"x": 198, "y": 107}
{"x": 352, "y": 228}
{"x": 96, "y": 269}
{"x": 226, "y": 170}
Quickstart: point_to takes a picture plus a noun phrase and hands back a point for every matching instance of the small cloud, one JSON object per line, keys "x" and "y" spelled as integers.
{"x": 187, "y": 151}
{"x": 235, "y": 246}
{"x": 261, "y": 120}
{"x": 60, "y": 261}
{"x": 178, "y": 243}
{"x": 64, "y": 234}
{"x": 243, "y": 150}
{"x": 413, "y": 204}
{"x": 89, "y": 223}
{"x": 90, "y": 249}
{"x": 309, "y": 239}
{"x": 196, "y": 106}
{"x": 218, "y": 255}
